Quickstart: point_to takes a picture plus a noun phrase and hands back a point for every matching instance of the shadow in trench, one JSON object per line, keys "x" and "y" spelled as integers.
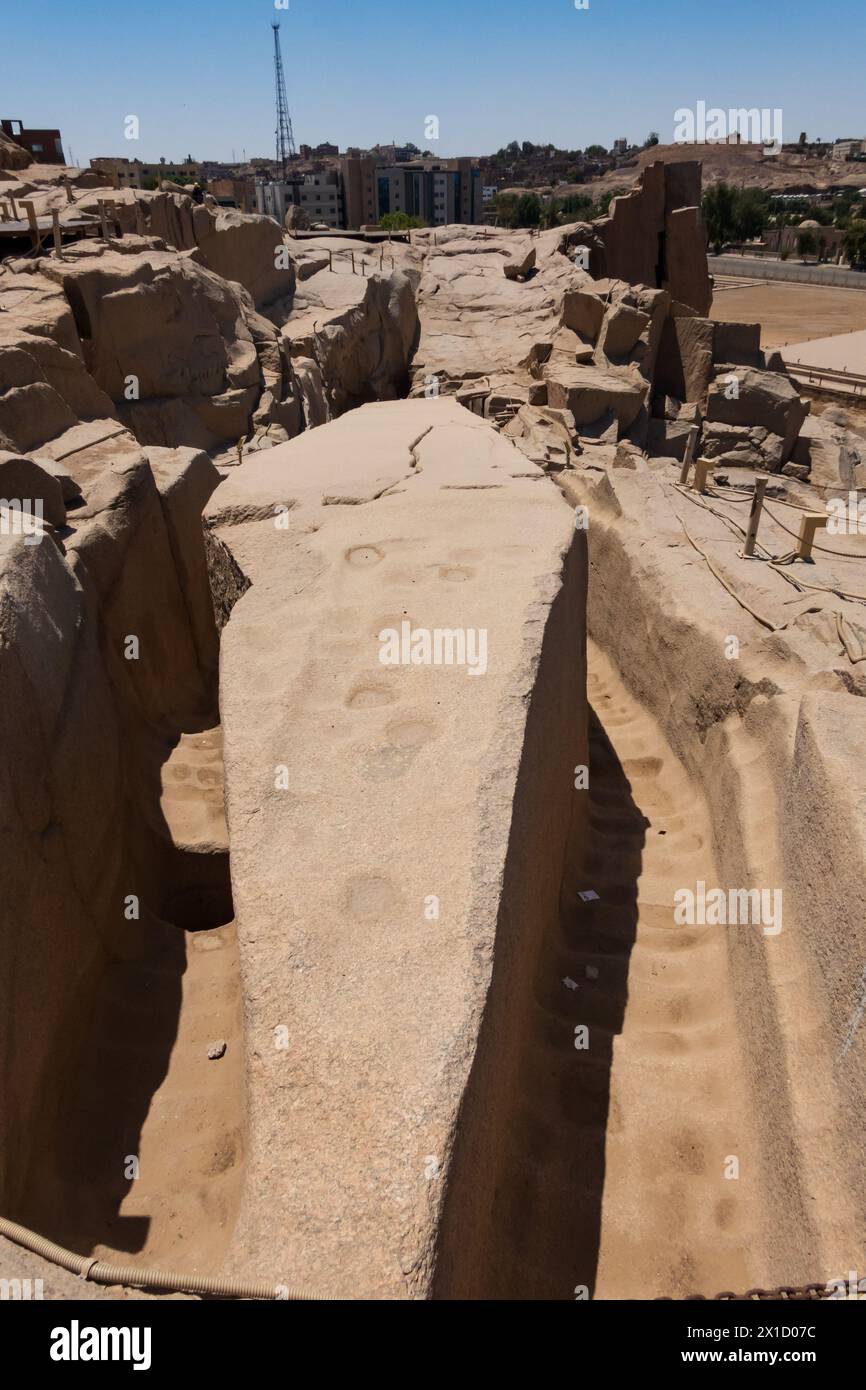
{"x": 122, "y": 1061}
{"x": 121, "y": 1028}
{"x": 523, "y": 1204}
{"x": 581, "y": 983}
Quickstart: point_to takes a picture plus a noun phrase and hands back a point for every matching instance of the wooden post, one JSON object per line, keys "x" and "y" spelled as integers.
{"x": 702, "y": 467}
{"x": 241, "y": 450}
{"x": 103, "y": 218}
{"x": 755, "y": 517}
{"x": 330, "y": 259}
{"x": 4, "y": 211}
{"x": 13, "y": 207}
{"x": 58, "y": 243}
{"x": 689, "y": 454}
{"x": 352, "y": 254}
{"x": 34, "y": 225}
{"x": 811, "y": 522}
{"x": 68, "y": 186}
{"x": 139, "y": 218}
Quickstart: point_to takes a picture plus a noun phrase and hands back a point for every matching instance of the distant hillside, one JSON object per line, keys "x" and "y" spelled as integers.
{"x": 740, "y": 165}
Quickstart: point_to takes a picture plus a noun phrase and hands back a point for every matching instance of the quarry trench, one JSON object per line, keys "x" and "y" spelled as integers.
{"x": 613, "y": 1174}
{"x": 629, "y": 1096}
{"x": 659, "y": 1100}
{"x": 150, "y": 1166}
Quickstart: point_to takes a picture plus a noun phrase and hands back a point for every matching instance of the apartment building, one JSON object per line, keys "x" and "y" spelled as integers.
{"x": 438, "y": 191}
{"x": 844, "y": 150}
{"x": 132, "y": 173}
{"x": 360, "y": 196}
{"x": 320, "y": 195}
{"x": 123, "y": 173}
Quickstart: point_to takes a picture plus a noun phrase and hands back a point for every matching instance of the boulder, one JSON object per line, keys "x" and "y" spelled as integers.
{"x": 684, "y": 366}
{"x": 738, "y": 344}
{"x": 519, "y": 266}
{"x": 297, "y": 219}
{"x": 744, "y": 446}
{"x": 590, "y": 393}
{"x": 583, "y": 313}
{"x": 23, "y": 480}
{"x": 750, "y": 397}
{"x": 623, "y": 326}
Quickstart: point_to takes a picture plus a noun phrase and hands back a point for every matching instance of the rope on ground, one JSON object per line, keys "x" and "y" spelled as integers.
{"x": 852, "y": 645}
{"x": 774, "y": 561}
{"x": 166, "y": 1281}
{"x": 825, "y": 550}
{"x": 759, "y": 617}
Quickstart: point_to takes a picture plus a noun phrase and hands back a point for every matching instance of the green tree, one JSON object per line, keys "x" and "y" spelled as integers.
{"x": 505, "y": 208}
{"x": 854, "y": 244}
{"x": 600, "y": 209}
{"x": 579, "y": 207}
{"x": 718, "y": 206}
{"x": 400, "y": 222}
{"x": 595, "y": 151}
{"x": 806, "y": 245}
{"x": 652, "y": 139}
{"x": 528, "y": 211}
{"x": 751, "y": 211}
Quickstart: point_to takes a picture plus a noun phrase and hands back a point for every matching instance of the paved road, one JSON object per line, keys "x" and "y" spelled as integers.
{"x": 755, "y": 269}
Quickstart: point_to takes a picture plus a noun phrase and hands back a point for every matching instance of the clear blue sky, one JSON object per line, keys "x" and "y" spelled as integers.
{"x": 199, "y": 73}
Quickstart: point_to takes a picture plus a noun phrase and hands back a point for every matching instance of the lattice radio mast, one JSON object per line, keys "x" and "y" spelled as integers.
{"x": 285, "y": 135}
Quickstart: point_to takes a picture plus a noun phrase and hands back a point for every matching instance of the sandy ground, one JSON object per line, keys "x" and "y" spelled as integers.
{"x": 844, "y": 352}
{"x": 789, "y": 312}
{"x": 633, "y": 1133}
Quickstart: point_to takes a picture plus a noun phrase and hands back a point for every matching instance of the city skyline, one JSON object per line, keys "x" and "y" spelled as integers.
{"x": 201, "y": 81}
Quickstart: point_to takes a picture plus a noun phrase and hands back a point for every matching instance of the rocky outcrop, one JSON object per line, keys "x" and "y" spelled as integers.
{"x": 358, "y": 329}
{"x": 768, "y": 737}
{"x": 89, "y": 720}
{"x": 655, "y": 236}
{"x": 241, "y": 247}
